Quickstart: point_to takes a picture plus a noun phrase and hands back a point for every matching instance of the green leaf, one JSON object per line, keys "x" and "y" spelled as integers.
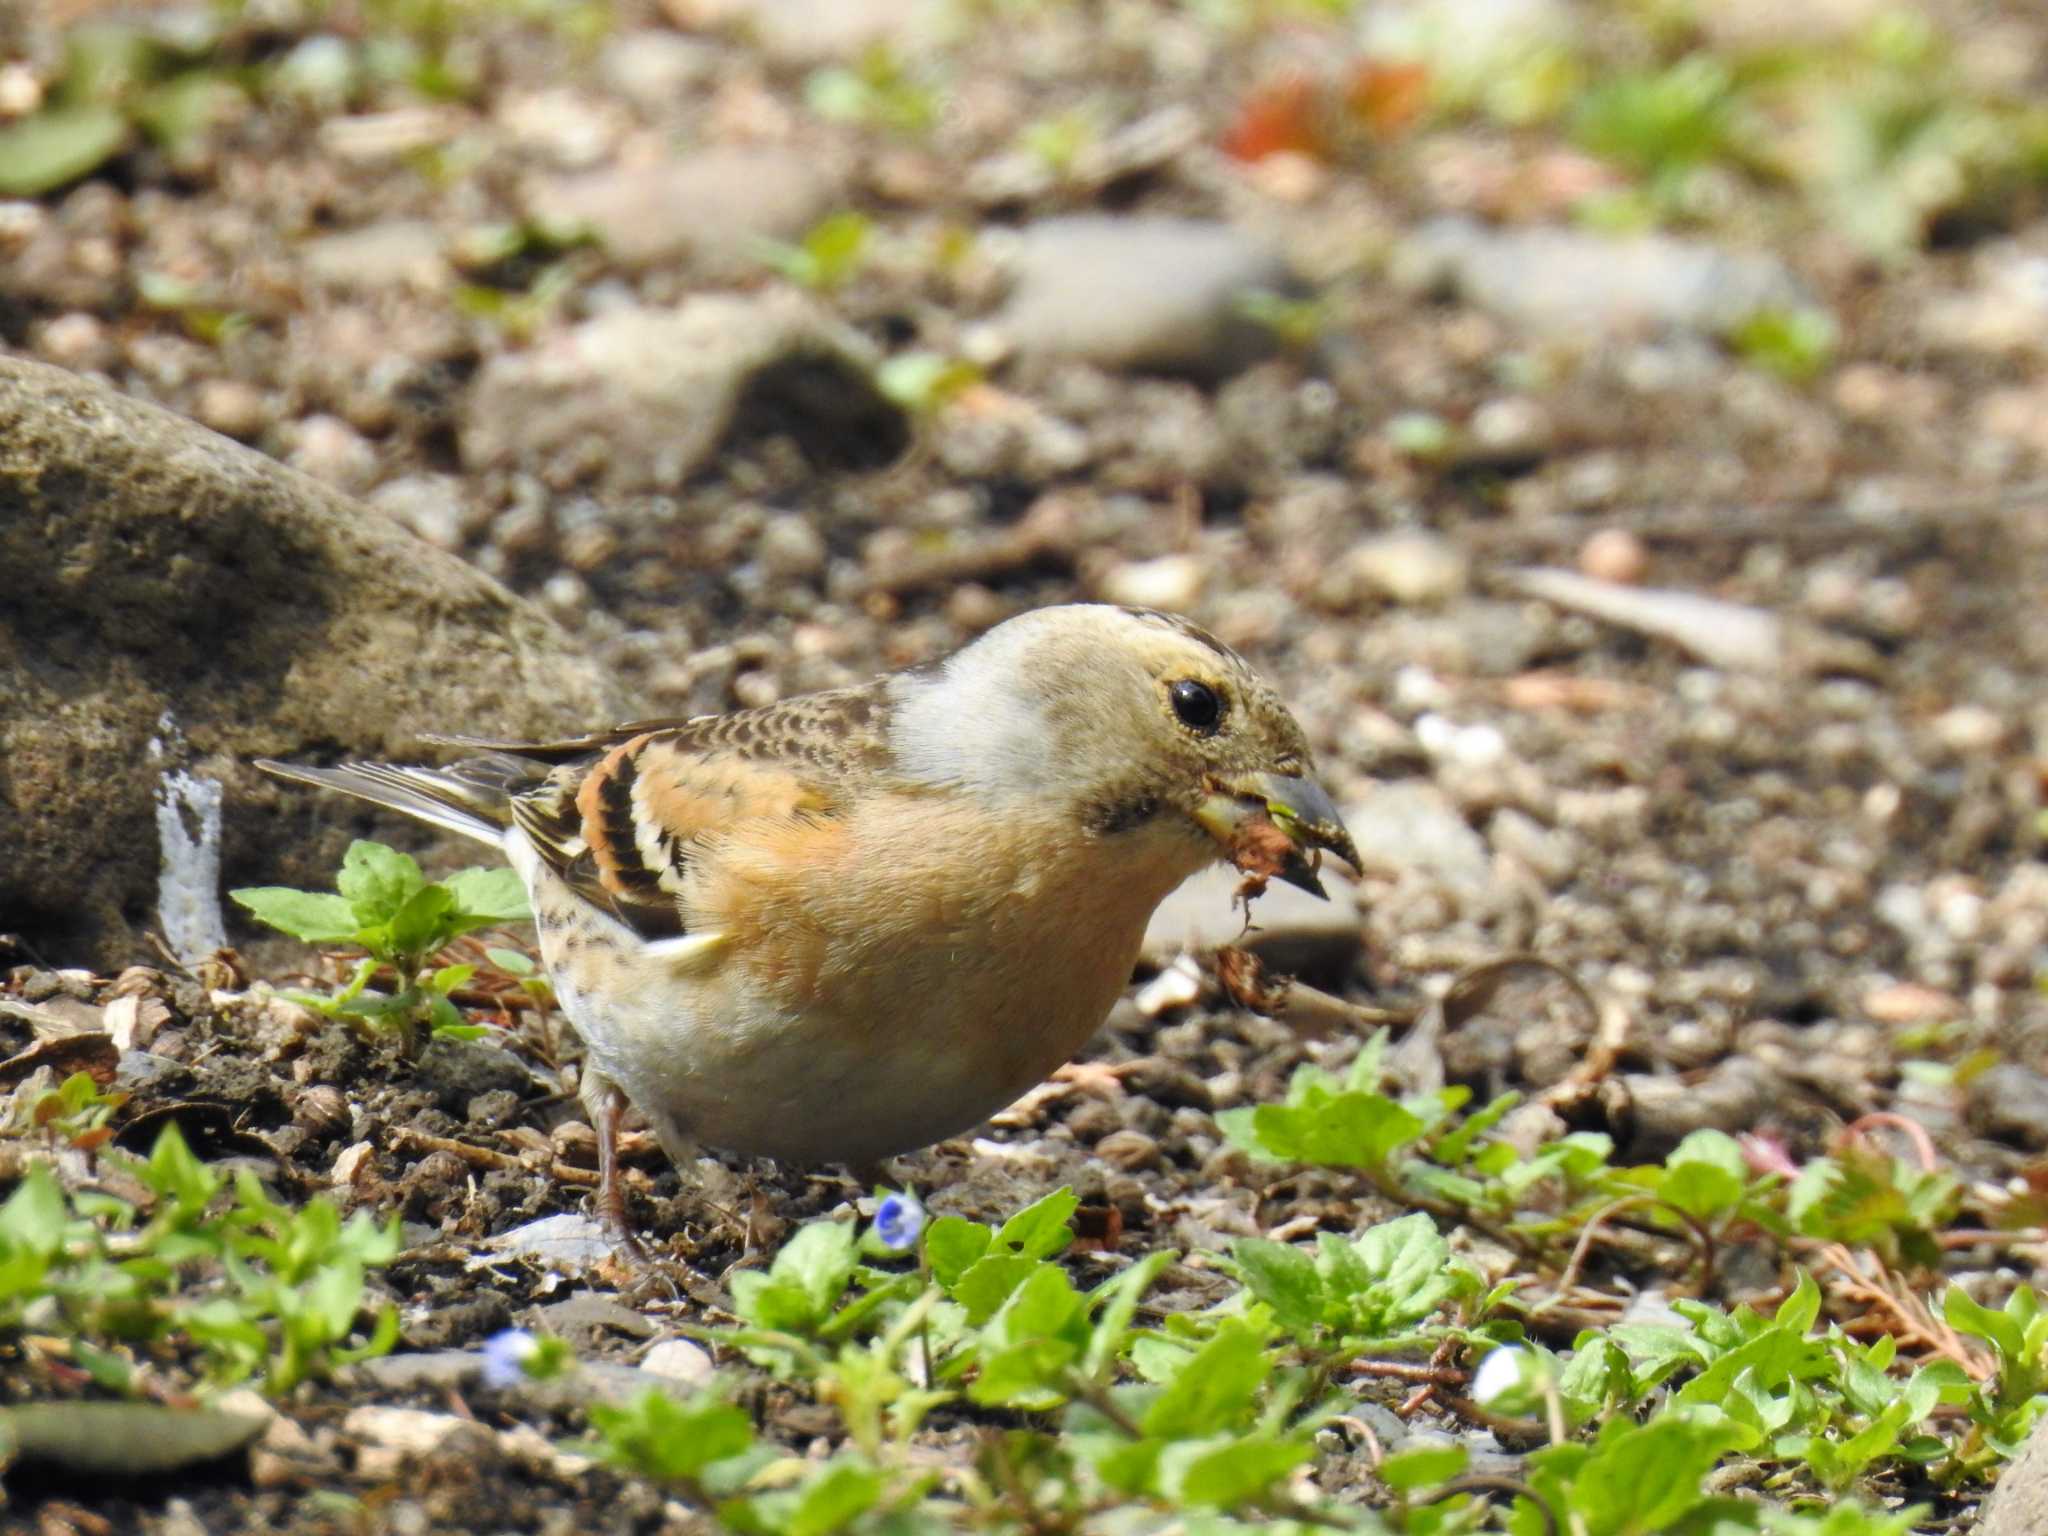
{"x": 768, "y": 1304}
{"x": 1284, "y": 1278}
{"x": 952, "y": 1245}
{"x": 449, "y": 977}
{"x": 1224, "y": 1474}
{"x": 843, "y": 1490}
{"x": 1967, "y": 1315}
{"x": 1799, "y": 1311}
{"x": 1368, "y": 1068}
{"x": 1411, "y": 1258}
{"x": 313, "y": 917}
{"x": 991, "y": 1282}
{"x": 1451, "y": 1148}
{"x": 1046, "y": 1304}
{"x": 1422, "y": 1466}
{"x": 377, "y": 881}
{"x": 1029, "y": 1375}
{"x": 923, "y": 381}
{"x": 383, "y": 1336}
{"x": 1118, "y": 1297}
{"x": 33, "y": 1218}
{"x": 1597, "y": 1371}
{"x": 511, "y": 961}
{"x": 334, "y": 1296}
{"x": 1032, "y": 1343}
{"x": 178, "y": 112}
{"x": 423, "y": 923}
{"x": 105, "y": 61}
{"x": 1777, "y": 1356}
{"x": 1705, "y": 1175}
{"x": 54, "y": 148}
{"x": 1041, "y": 1229}
{"x": 818, "y": 1261}
{"x": 491, "y": 896}
{"x": 1214, "y": 1390}
{"x": 109, "y": 1371}
{"x": 1340, "y": 1130}
{"x": 667, "y": 1440}
{"x": 176, "y": 1175}
{"x": 1646, "y": 1477}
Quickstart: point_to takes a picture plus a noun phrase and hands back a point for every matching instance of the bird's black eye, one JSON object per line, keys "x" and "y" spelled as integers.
{"x": 1199, "y": 706}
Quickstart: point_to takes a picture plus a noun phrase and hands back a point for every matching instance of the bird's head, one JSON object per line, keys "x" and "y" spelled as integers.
{"x": 1139, "y": 723}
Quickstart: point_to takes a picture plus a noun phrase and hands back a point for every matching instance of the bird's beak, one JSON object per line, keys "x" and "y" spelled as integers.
{"x": 1300, "y": 808}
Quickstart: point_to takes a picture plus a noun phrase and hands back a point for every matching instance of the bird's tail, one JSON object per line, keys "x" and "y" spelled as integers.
{"x": 473, "y": 798}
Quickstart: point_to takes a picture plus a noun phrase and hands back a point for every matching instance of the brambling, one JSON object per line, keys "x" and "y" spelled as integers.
{"x": 854, "y": 923}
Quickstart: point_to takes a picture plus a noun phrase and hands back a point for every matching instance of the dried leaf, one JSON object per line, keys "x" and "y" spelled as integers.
{"x": 95, "y": 1054}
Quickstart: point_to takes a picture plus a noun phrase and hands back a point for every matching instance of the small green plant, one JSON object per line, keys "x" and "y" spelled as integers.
{"x": 924, "y": 382}
{"x": 1666, "y": 126}
{"x": 1059, "y": 141}
{"x": 118, "y": 80}
{"x": 252, "y": 1286}
{"x": 1297, "y": 321}
{"x": 879, "y": 91}
{"x": 831, "y": 253}
{"x": 1865, "y": 1199}
{"x": 203, "y": 318}
{"x": 383, "y": 904}
{"x": 295, "y": 1290}
{"x": 1207, "y": 1416}
{"x": 521, "y": 968}
{"x": 76, "y": 1113}
{"x": 1422, "y": 436}
{"x": 517, "y": 275}
{"x": 1795, "y": 344}
{"x": 2004, "y": 1409}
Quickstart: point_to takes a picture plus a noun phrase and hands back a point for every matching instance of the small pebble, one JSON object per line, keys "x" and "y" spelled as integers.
{"x": 790, "y": 548}
{"x": 1171, "y": 582}
{"x": 1129, "y": 1151}
{"x": 77, "y": 341}
{"x": 328, "y": 448}
{"x": 1614, "y": 554}
{"x": 1969, "y": 729}
{"x": 1412, "y": 567}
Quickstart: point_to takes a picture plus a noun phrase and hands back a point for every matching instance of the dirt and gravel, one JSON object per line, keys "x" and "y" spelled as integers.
{"x": 1791, "y": 844}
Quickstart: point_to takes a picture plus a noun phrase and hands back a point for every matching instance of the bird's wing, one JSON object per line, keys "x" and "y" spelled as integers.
{"x": 622, "y": 813}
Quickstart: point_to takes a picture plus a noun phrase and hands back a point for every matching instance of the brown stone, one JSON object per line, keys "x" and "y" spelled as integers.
{"x": 160, "y": 582}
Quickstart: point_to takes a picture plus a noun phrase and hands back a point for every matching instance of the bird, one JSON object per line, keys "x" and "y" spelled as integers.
{"x": 849, "y": 924}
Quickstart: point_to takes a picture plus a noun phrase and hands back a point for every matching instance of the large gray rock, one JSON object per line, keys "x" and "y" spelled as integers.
{"x": 643, "y": 397}
{"x": 2018, "y": 1506}
{"x": 709, "y": 212}
{"x": 173, "y": 604}
{"x": 1142, "y": 293}
{"x": 1583, "y": 285}
{"x": 797, "y": 34}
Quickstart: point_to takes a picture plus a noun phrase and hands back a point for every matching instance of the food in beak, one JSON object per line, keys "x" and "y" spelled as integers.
{"x": 1275, "y": 826}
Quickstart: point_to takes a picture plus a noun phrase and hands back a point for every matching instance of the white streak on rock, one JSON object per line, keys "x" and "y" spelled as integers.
{"x": 188, "y": 812}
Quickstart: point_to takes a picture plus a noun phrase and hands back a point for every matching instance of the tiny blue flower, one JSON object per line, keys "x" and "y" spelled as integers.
{"x": 898, "y": 1221}
{"x": 505, "y": 1357}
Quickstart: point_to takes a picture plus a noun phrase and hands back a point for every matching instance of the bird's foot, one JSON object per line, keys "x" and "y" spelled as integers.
{"x": 611, "y": 1193}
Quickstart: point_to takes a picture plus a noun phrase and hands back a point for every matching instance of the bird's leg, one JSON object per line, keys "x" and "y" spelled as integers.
{"x": 606, "y": 1104}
